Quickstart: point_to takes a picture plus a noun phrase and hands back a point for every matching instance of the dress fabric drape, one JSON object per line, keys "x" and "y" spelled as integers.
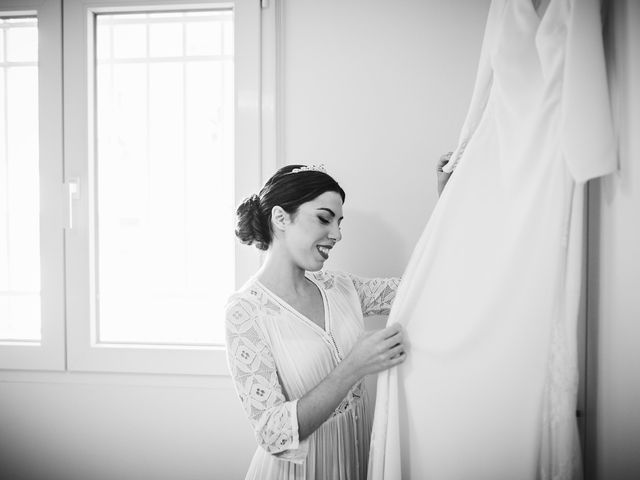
{"x": 490, "y": 297}
{"x": 276, "y": 355}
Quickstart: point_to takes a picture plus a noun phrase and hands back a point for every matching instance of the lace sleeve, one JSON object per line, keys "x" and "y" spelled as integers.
{"x": 376, "y": 294}
{"x": 273, "y": 418}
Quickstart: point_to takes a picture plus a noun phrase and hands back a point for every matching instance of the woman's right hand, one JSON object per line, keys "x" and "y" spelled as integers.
{"x": 376, "y": 351}
{"x": 372, "y": 353}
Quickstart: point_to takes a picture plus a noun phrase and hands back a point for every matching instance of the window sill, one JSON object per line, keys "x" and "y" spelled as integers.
{"x": 217, "y": 382}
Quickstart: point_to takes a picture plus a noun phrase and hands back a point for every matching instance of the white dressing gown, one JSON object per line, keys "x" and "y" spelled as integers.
{"x": 490, "y": 297}
{"x": 276, "y": 355}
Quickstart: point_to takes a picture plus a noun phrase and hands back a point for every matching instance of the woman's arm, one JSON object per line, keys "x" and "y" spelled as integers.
{"x": 376, "y": 294}
{"x": 272, "y": 416}
{"x": 374, "y": 352}
{"x": 280, "y": 425}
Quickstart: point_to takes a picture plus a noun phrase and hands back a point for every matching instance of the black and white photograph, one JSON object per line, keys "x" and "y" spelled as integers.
{"x": 319, "y": 240}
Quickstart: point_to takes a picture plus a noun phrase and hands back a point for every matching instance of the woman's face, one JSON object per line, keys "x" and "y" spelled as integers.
{"x": 314, "y": 230}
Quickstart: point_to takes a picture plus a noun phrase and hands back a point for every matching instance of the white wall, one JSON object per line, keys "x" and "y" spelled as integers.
{"x": 376, "y": 90}
{"x": 125, "y": 427}
{"x": 613, "y": 385}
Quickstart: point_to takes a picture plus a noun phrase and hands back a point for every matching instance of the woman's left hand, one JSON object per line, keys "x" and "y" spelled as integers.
{"x": 443, "y": 177}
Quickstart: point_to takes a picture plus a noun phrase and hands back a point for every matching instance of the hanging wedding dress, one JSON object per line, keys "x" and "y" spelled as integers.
{"x": 489, "y": 299}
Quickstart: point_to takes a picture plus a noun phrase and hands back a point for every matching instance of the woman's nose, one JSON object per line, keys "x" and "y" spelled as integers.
{"x": 336, "y": 234}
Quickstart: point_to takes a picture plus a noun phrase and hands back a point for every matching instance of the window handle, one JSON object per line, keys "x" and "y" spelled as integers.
{"x": 73, "y": 193}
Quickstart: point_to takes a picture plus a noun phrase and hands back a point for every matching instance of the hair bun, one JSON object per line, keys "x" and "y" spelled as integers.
{"x": 250, "y": 225}
{"x": 254, "y": 201}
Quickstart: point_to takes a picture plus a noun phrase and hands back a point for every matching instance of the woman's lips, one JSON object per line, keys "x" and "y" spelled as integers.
{"x": 324, "y": 251}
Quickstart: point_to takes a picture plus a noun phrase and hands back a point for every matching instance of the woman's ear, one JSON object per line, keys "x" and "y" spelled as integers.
{"x": 279, "y": 218}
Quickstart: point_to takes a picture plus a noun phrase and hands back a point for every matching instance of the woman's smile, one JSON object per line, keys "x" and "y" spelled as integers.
{"x": 324, "y": 250}
{"x": 315, "y": 230}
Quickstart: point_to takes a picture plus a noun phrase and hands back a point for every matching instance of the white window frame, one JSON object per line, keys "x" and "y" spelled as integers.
{"x": 49, "y": 352}
{"x": 82, "y": 352}
{"x": 66, "y": 130}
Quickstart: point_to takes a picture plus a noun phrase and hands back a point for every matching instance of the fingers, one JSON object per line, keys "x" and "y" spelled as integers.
{"x": 395, "y": 351}
{"x": 380, "y": 335}
{"x": 396, "y": 356}
{"x": 397, "y": 360}
{"x": 444, "y": 159}
{"x": 391, "y": 342}
{"x": 390, "y": 331}
{"x": 392, "y": 345}
{"x": 393, "y": 336}
{"x": 383, "y": 348}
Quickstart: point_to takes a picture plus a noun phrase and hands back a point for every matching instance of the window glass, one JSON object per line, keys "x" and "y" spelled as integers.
{"x": 164, "y": 177}
{"x": 19, "y": 181}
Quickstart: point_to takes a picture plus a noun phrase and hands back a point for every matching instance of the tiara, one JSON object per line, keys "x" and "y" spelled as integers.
{"x": 310, "y": 168}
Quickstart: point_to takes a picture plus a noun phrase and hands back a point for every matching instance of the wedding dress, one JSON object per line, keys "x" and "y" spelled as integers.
{"x": 489, "y": 300}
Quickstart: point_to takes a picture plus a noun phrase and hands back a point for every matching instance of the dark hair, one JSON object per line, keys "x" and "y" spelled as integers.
{"x": 286, "y": 189}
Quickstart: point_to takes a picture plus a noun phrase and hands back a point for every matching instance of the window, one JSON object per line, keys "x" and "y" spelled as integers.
{"x": 31, "y": 206}
{"x": 161, "y": 119}
{"x": 19, "y": 181}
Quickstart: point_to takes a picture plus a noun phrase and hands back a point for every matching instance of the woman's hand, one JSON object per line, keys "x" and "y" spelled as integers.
{"x": 372, "y": 353}
{"x": 376, "y": 351}
{"x": 443, "y": 177}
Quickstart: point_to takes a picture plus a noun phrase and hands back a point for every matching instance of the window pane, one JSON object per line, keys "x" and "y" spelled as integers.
{"x": 22, "y": 40}
{"x": 19, "y": 182}
{"x": 164, "y": 182}
{"x": 165, "y": 39}
{"x": 204, "y": 38}
{"x": 129, "y": 41}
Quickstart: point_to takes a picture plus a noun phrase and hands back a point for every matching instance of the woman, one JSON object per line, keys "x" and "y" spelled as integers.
{"x": 296, "y": 343}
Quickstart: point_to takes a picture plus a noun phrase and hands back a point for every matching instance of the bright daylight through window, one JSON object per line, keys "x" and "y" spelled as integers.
{"x": 19, "y": 182}
{"x": 164, "y": 161}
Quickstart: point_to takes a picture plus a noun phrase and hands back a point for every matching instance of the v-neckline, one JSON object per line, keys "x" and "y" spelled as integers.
{"x": 542, "y": 12}
{"x": 297, "y": 313}
{"x": 539, "y": 17}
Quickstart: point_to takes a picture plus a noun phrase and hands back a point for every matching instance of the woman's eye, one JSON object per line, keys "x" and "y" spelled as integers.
{"x": 323, "y": 220}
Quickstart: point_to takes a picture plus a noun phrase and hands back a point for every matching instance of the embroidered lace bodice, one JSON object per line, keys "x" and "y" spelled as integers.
{"x": 276, "y": 355}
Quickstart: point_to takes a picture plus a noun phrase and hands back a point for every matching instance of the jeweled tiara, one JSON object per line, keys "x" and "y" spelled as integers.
{"x": 310, "y": 168}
